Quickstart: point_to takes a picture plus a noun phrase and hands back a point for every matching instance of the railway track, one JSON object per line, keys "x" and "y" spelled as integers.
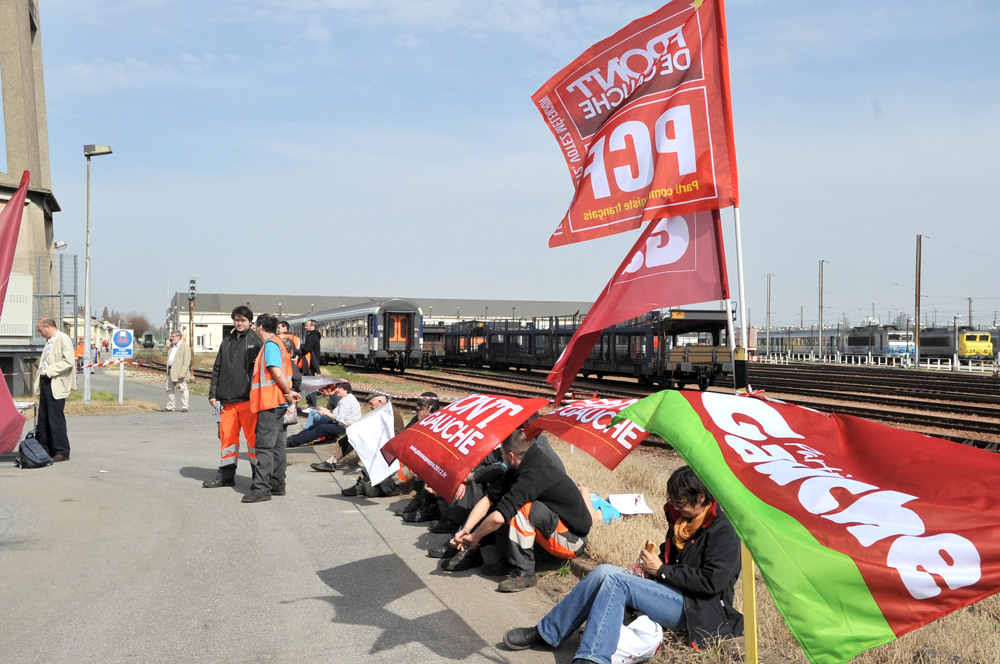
{"x": 157, "y": 364}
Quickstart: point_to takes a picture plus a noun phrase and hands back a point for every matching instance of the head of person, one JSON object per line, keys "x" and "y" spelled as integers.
{"x": 176, "y": 337}
{"x": 514, "y": 447}
{"x": 267, "y": 325}
{"x": 47, "y": 328}
{"x": 310, "y": 325}
{"x": 282, "y": 327}
{"x": 343, "y": 388}
{"x": 328, "y": 390}
{"x": 241, "y": 318}
{"x": 289, "y": 346}
{"x": 427, "y": 404}
{"x": 377, "y": 399}
{"x": 687, "y": 493}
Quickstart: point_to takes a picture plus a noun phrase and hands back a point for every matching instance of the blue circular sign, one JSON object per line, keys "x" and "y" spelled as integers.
{"x": 122, "y": 339}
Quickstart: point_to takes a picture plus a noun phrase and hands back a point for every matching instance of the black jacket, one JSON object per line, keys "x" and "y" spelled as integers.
{"x": 705, "y": 572}
{"x": 233, "y": 370}
{"x": 538, "y": 478}
{"x": 311, "y": 345}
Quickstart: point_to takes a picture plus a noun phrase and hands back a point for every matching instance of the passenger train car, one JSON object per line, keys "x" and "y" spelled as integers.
{"x": 672, "y": 348}
{"x": 375, "y": 334}
{"x": 885, "y": 342}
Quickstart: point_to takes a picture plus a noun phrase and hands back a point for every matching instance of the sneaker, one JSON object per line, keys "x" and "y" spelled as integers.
{"x": 497, "y": 568}
{"x": 322, "y": 467}
{"x": 444, "y": 551}
{"x": 423, "y": 514}
{"x": 215, "y": 484}
{"x": 446, "y": 526}
{"x": 184, "y": 410}
{"x": 522, "y": 638}
{"x": 343, "y": 464}
{"x": 518, "y": 580}
{"x": 463, "y": 560}
{"x": 256, "y": 497}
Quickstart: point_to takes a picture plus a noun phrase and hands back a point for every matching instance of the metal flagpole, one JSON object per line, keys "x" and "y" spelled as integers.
{"x": 739, "y": 278}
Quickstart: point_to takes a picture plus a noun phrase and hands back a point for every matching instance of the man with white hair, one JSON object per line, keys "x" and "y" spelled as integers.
{"x": 178, "y": 368}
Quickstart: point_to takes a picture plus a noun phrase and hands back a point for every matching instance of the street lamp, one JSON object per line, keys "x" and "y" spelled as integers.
{"x": 88, "y": 152}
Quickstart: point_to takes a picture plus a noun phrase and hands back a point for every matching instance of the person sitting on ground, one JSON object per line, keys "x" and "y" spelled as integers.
{"x": 427, "y": 403}
{"x": 539, "y": 503}
{"x": 328, "y": 391}
{"x": 690, "y": 586}
{"x": 347, "y": 412}
{"x": 396, "y": 484}
{"x": 376, "y": 399}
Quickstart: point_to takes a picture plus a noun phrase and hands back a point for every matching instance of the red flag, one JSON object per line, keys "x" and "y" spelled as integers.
{"x": 587, "y": 424}
{"x": 644, "y": 119}
{"x": 11, "y": 420}
{"x": 676, "y": 261}
{"x": 443, "y": 448}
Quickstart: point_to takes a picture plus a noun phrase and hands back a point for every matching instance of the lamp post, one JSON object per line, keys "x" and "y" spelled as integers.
{"x": 88, "y": 152}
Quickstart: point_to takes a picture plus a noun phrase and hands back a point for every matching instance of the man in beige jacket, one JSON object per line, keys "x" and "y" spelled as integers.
{"x": 178, "y": 369}
{"x": 55, "y": 378}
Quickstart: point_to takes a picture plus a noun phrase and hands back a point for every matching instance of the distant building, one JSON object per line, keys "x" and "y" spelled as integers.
{"x": 33, "y": 287}
{"x": 212, "y": 310}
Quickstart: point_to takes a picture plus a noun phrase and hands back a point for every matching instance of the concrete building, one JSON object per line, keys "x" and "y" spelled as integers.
{"x": 32, "y": 291}
{"x": 212, "y": 310}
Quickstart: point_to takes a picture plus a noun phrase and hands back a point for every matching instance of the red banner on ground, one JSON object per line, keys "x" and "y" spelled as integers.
{"x": 443, "y": 448}
{"x": 587, "y": 424}
{"x": 676, "y": 261}
{"x": 644, "y": 120}
{"x": 11, "y": 420}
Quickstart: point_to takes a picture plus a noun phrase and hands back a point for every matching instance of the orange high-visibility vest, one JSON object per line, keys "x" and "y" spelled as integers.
{"x": 79, "y": 351}
{"x": 264, "y": 392}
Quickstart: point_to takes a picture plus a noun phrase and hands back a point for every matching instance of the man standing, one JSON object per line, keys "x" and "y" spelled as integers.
{"x": 230, "y": 394}
{"x": 270, "y": 394}
{"x": 178, "y": 366}
{"x": 55, "y": 378}
{"x": 309, "y": 353}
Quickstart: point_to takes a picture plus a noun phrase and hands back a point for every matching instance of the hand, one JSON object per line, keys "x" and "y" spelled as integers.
{"x": 293, "y": 397}
{"x": 461, "y": 539}
{"x": 213, "y": 402}
{"x": 649, "y": 562}
{"x": 460, "y": 492}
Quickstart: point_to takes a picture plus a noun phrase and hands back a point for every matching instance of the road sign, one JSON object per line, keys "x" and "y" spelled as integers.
{"x": 121, "y": 345}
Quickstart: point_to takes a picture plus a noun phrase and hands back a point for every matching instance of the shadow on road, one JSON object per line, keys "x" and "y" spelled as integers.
{"x": 367, "y": 588}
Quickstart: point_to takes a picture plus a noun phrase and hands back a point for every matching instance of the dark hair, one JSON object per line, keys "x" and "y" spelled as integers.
{"x": 244, "y": 311}
{"x": 684, "y": 484}
{"x": 516, "y": 442}
{"x": 430, "y": 399}
{"x": 268, "y": 323}
{"x": 289, "y": 346}
{"x": 285, "y": 323}
{"x": 346, "y": 385}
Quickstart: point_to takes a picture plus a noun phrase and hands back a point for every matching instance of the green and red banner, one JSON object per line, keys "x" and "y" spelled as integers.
{"x": 862, "y": 532}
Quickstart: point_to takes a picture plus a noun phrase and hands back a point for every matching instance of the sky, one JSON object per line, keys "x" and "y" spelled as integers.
{"x": 381, "y": 147}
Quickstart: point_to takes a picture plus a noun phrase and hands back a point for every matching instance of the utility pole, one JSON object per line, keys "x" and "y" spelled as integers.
{"x": 821, "y": 310}
{"x": 970, "y": 313}
{"x": 191, "y": 296}
{"x": 768, "y": 334}
{"x": 873, "y": 313}
{"x": 802, "y": 318}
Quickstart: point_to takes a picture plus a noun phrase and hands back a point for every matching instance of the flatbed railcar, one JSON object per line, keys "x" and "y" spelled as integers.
{"x": 377, "y": 334}
{"x": 672, "y": 348}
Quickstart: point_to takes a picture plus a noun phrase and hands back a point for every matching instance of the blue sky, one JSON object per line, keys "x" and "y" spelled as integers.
{"x": 377, "y": 147}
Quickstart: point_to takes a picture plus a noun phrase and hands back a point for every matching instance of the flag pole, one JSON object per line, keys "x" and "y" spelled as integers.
{"x": 739, "y": 278}
{"x": 749, "y": 607}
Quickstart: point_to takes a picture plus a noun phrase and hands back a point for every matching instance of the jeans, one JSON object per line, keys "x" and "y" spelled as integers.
{"x": 313, "y": 418}
{"x": 600, "y": 599}
{"x": 324, "y": 428}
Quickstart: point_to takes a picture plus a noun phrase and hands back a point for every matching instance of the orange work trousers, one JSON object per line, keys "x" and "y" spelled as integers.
{"x": 236, "y": 416}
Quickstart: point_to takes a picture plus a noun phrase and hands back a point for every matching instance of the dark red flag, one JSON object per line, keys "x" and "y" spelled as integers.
{"x": 443, "y": 448}
{"x": 644, "y": 120}
{"x": 587, "y": 424}
{"x": 11, "y": 420}
{"x": 676, "y": 261}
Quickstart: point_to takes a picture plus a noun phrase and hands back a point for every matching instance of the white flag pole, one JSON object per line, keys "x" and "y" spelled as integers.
{"x": 739, "y": 278}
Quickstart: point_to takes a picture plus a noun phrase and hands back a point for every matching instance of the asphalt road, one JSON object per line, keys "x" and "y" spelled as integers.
{"x": 120, "y": 555}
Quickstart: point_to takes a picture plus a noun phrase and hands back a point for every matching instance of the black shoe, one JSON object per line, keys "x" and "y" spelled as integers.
{"x": 464, "y": 560}
{"x": 344, "y": 464}
{"x": 411, "y": 506}
{"x": 445, "y": 526}
{"x": 290, "y": 444}
{"x": 518, "y": 580}
{"x": 357, "y": 490}
{"x": 522, "y": 638}
{"x": 498, "y": 568}
{"x": 256, "y": 497}
{"x": 215, "y": 484}
{"x": 423, "y": 514}
{"x": 278, "y": 491}
{"x": 322, "y": 467}
{"x": 443, "y": 551}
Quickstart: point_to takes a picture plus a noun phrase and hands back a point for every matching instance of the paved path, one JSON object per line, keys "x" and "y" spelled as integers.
{"x": 120, "y": 555}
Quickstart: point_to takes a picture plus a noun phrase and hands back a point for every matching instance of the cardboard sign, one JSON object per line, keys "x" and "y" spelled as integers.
{"x": 586, "y": 424}
{"x": 443, "y": 448}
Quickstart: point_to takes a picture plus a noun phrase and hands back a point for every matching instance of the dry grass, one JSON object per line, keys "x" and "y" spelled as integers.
{"x": 972, "y": 634}
{"x": 104, "y": 403}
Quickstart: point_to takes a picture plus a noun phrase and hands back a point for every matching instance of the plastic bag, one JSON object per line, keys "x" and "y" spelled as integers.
{"x": 290, "y": 416}
{"x": 635, "y": 569}
{"x": 639, "y": 641}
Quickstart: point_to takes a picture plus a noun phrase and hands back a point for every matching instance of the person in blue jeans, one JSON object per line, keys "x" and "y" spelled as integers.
{"x": 690, "y": 584}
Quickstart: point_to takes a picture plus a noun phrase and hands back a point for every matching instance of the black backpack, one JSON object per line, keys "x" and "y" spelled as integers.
{"x": 31, "y": 454}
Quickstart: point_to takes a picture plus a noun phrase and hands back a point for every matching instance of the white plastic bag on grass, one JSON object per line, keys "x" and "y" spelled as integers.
{"x": 638, "y": 642}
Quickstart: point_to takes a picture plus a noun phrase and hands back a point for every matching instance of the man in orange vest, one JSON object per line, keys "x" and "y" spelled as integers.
{"x": 270, "y": 394}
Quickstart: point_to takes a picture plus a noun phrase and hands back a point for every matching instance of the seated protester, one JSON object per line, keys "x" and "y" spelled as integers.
{"x": 691, "y": 583}
{"x": 422, "y": 499}
{"x": 329, "y": 391}
{"x": 539, "y": 502}
{"x": 332, "y": 423}
{"x": 394, "y": 485}
{"x": 470, "y": 492}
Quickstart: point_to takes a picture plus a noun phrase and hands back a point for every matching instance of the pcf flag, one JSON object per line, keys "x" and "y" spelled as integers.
{"x": 644, "y": 120}
{"x": 587, "y": 424}
{"x": 862, "y": 532}
{"x": 11, "y": 420}
{"x": 368, "y": 435}
{"x": 676, "y": 261}
{"x": 443, "y": 448}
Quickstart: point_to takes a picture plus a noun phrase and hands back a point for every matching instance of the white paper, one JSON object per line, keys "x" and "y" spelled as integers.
{"x": 629, "y": 503}
{"x": 368, "y": 435}
{"x": 218, "y": 412}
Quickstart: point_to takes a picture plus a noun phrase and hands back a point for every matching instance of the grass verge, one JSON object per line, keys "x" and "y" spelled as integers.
{"x": 103, "y": 402}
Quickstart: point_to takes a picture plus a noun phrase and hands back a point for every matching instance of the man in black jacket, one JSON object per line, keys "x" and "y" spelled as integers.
{"x": 309, "y": 352}
{"x": 230, "y": 394}
{"x": 690, "y": 585}
{"x": 539, "y": 502}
